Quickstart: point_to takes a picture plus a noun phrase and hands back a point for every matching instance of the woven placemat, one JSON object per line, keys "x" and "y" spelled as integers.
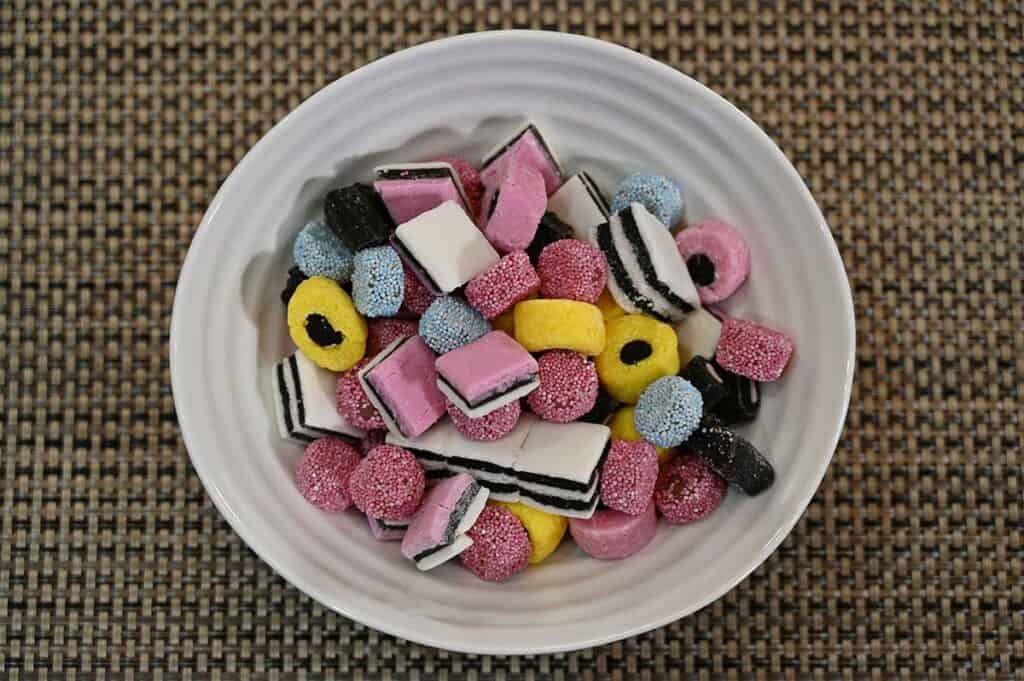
{"x": 117, "y": 124}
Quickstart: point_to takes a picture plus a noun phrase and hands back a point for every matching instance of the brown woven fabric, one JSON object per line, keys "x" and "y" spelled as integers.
{"x": 117, "y": 123}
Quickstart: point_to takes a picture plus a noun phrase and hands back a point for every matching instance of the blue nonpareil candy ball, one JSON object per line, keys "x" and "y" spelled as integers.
{"x": 668, "y": 411}
{"x": 378, "y": 282}
{"x": 319, "y": 253}
{"x": 658, "y": 194}
{"x": 450, "y": 323}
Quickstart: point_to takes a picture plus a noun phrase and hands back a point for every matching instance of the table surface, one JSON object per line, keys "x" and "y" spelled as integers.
{"x": 118, "y": 123}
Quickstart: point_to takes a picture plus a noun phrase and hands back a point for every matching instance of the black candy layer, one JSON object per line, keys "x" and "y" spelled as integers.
{"x": 706, "y": 378}
{"x": 551, "y": 229}
{"x": 295, "y": 277}
{"x": 603, "y": 408}
{"x": 358, "y": 217}
{"x": 742, "y": 401}
{"x": 732, "y": 457}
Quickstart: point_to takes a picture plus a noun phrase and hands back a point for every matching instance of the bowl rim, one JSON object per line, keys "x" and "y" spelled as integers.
{"x": 631, "y": 59}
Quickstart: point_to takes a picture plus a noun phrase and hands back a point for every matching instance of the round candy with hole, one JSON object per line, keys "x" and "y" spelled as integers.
{"x": 324, "y": 324}
{"x": 716, "y": 256}
{"x": 638, "y": 350}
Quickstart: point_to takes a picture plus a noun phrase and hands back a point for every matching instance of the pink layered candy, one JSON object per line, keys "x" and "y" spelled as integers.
{"x": 383, "y": 530}
{"x": 513, "y": 209}
{"x": 411, "y": 190}
{"x": 528, "y": 147}
{"x": 401, "y": 383}
{"x": 716, "y": 257}
{"x": 437, "y": 531}
{"x": 612, "y": 535}
{"x": 486, "y": 374}
{"x": 749, "y": 349}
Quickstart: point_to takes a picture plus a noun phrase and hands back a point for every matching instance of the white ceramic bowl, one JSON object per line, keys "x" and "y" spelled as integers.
{"x": 607, "y": 110}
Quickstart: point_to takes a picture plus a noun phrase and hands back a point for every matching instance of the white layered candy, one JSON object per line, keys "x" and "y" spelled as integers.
{"x": 445, "y": 247}
{"x": 558, "y": 467}
{"x": 579, "y": 204}
{"x": 646, "y": 272}
{"x": 305, "y": 402}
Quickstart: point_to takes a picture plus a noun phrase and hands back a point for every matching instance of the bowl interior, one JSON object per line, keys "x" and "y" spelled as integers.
{"x": 608, "y": 111}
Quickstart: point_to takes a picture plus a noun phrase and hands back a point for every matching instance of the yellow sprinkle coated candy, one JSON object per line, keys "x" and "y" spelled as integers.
{"x": 545, "y": 529}
{"x": 638, "y": 351}
{"x": 622, "y": 428}
{"x": 325, "y": 325}
{"x": 559, "y": 325}
{"x": 609, "y": 308}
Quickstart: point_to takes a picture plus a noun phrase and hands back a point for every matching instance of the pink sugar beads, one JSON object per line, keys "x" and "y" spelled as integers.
{"x": 687, "y": 489}
{"x": 499, "y": 288}
{"x": 568, "y": 386}
{"x": 352, "y": 401}
{"x": 493, "y": 426}
{"x": 501, "y": 546}
{"x": 382, "y": 331}
{"x": 628, "y": 476}
{"x": 323, "y": 473}
{"x": 752, "y": 350}
{"x": 417, "y": 296}
{"x": 388, "y": 484}
{"x": 572, "y": 270}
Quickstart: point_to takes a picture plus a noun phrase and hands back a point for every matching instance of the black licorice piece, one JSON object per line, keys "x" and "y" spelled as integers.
{"x": 706, "y": 378}
{"x": 604, "y": 406}
{"x": 358, "y": 216}
{"x": 742, "y": 401}
{"x": 732, "y": 456}
{"x": 295, "y": 277}
{"x": 550, "y": 230}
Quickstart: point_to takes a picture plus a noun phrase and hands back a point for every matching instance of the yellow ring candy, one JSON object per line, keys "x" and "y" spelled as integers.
{"x": 609, "y": 308}
{"x": 325, "y": 325}
{"x": 638, "y": 351}
{"x": 559, "y": 325}
{"x": 622, "y": 427}
{"x": 545, "y": 529}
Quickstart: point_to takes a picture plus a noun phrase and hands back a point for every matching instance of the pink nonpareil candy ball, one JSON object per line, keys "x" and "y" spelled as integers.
{"x": 381, "y": 332}
{"x": 752, "y": 350}
{"x": 613, "y": 535}
{"x": 501, "y": 546}
{"x": 499, "y": 288}
{"x": 687, "y": 489}
{"x": 628, "y": 476}
{"x": 417, "y": 296}
{"x": 388, "y": 484}
{"x": 469, "y": 177}
{"x": 352, "y": 401}
{"x": 568, "y": 386}
{"x": 323, "y": 473}
{"x": 493, "y": 426}
{"x": 572, "y": 270}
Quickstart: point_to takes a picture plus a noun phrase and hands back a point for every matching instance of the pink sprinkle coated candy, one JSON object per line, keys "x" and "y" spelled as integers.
{"x": 382, "y": 331}
{"x": 469, "y": 177}
{"x": 493, "y": 426}
{"x": 573, "y": 270}
{"x": 388, "y": 484}
{"x": 371, "y": 439}
{"x": 352, "y": 402}
{"x": 507, "y": 282}
{"x": 628, "y": 476}
{"x": 717, "y": 258}
{"x": 687, "y": 489}
{"x": 417, "y": 296}
{"x": 501, "y": 547}
{"x": 752, "y": 350}
{"x": 568, "y": 386}
{"x": 323, "y": 473}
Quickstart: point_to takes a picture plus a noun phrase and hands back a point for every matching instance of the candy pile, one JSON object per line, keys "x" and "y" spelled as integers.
{"x": 489, "y": 358}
